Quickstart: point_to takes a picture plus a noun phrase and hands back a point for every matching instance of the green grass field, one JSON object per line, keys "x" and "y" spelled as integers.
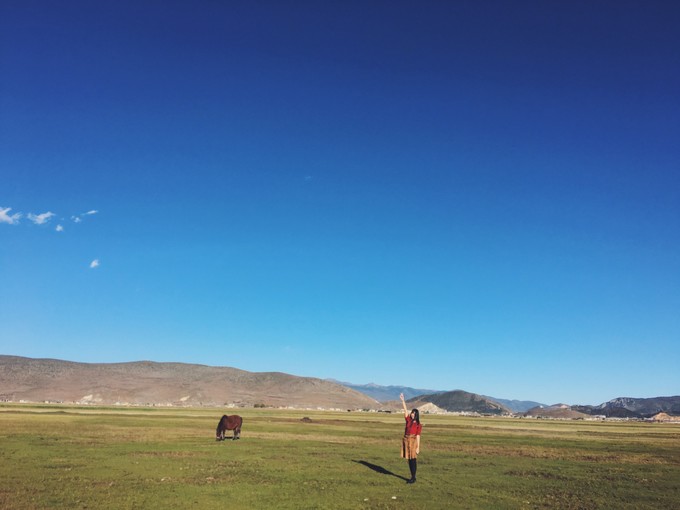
{"x": 99, "y": 458}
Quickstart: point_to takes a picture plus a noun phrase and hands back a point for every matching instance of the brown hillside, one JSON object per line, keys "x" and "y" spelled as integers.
{"x": 151, "y": 383}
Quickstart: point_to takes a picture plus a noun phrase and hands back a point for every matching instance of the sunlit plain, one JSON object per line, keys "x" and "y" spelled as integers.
{"x": 73, "y": 457}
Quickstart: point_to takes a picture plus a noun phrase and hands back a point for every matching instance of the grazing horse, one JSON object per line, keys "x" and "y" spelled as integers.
{"x": 232, "y": 422}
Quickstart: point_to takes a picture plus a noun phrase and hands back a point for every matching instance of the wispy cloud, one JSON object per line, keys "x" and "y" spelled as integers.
{"x": 40, "y": 219}
{"x": 94, "y": 264}
{"x": 78, "y": 218}
{"x": 6, "y": 217}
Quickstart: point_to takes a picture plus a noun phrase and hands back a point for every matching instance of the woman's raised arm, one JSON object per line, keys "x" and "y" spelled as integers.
{"x": 403, "y": 403}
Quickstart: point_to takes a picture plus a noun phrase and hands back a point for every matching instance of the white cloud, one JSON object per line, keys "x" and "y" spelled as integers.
{"x": 40, "y": 219}
{"x": 79, "y": 217}
{"x": 5, "y": 217}
{"x": 94, "y": 263}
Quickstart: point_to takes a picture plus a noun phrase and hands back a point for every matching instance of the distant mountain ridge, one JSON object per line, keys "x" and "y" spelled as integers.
{"x": 390, "y": 393}
{"x": 622, "y": 407}
{"x": 518, "y": 406}
{"x": 628, "y": 407}
{"x": 386, "y": 393}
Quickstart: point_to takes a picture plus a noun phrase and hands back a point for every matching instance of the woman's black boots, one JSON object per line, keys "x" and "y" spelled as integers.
{"x": 412, "y": 465}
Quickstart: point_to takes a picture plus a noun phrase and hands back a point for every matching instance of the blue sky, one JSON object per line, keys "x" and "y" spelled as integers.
{"x": 449, "y": 195}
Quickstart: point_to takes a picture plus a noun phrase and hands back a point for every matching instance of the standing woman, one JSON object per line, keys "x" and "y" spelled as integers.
{"x": 410, "y": 445}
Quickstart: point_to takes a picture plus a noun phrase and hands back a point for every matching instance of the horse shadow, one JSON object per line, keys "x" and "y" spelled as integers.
{"x": 379, "y": 469}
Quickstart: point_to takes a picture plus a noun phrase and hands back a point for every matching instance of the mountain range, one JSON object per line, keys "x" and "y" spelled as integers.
{"x": 181, "y": 384}
{"x": 391, "y": 393}
{"x": 623, "y": 407}
{"x": 626, "y": 407}
{"x": 387, "y": 393}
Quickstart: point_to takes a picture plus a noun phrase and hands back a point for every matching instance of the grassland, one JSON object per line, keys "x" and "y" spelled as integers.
{"x": 110, "y": 458}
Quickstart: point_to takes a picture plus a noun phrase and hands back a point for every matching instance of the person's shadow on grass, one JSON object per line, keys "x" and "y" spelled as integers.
{"x": 379, "y": 469}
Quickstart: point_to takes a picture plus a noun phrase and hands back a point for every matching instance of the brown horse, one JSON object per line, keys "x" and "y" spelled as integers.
{"x": 232, "y": 422}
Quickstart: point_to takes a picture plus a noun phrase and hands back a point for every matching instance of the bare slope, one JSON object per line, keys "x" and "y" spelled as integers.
{"x": 151, "y": 383}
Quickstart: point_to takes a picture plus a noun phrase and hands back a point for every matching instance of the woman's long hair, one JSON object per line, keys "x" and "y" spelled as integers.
{"x": 416, "y": 416}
